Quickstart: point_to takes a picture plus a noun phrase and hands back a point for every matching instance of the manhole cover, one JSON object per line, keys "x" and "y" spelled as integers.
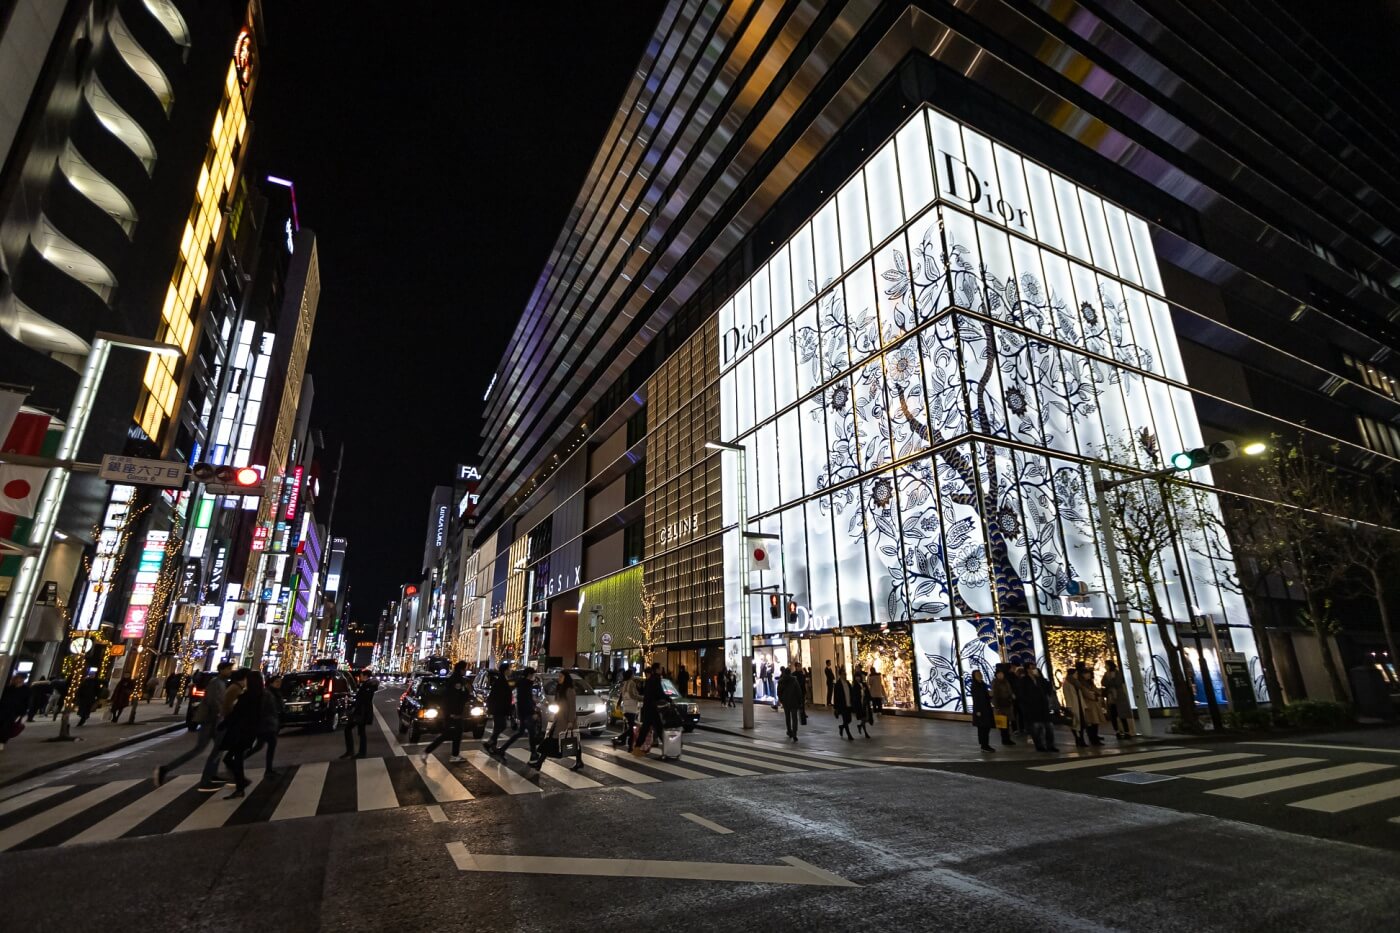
{"x": 1138, "y": 777}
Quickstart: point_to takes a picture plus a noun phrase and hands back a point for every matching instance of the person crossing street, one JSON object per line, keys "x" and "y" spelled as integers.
{"x": 361, "y": 712}
{"x": 456, "y": 693}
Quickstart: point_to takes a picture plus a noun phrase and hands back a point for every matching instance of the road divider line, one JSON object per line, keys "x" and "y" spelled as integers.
{"x": 708, "y": 824}
{"x": 665, "y": 767}
{"x": 806, "y": 761}
{"x": 739, "y": 873}
{"x": 304, "y": 793}
{"x": 1323, "y": 746}
{"x": 617, "y": 771}
{"x": 1291, "y": 781}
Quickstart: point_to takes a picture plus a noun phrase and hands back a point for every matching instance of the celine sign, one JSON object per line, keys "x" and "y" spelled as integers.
{"x": 678, "y": 531}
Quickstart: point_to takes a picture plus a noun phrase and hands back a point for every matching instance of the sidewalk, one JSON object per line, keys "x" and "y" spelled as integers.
{"x": 31, "y": 754}
{"x": 893, "y": 739}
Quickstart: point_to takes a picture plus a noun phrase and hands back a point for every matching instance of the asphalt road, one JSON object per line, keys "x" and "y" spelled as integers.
{"x": 790, "y": 842}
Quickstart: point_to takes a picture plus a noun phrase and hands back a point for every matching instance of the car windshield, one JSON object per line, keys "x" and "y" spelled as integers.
{"x": 669, "y": 687}
{"x": 304, "y": 687}
{"x": 432, "y": 686}
{"x": 595, "y": 679}
{"x": 580, "y": 685}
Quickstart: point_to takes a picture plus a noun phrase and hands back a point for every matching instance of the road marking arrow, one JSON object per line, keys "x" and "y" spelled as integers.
{"x": 795, "y": 871}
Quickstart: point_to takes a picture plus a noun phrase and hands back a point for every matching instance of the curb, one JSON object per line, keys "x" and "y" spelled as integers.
{"x": 91, "y": 753}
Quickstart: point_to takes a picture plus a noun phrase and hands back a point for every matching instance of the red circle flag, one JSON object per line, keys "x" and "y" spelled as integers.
{"x": 759, "y": 554}
{"x": 17, "y": 489}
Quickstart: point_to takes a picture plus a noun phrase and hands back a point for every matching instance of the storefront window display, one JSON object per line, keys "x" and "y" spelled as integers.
{"x": 891, "y": 654}
{"x": 960, "y": 345}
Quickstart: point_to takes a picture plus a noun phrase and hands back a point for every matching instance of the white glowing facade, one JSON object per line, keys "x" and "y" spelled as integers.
{"x": 920, "y": 377}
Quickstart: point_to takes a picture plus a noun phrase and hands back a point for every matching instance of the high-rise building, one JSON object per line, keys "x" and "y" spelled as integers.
{"x": 125, "y": 129}
{"x": 927, "y": 265}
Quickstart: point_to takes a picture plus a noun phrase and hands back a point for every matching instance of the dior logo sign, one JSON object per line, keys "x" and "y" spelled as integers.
{"x": 737, "y": 341}
{"x": 678, "y": 531}
{"x": 979, "y": 191}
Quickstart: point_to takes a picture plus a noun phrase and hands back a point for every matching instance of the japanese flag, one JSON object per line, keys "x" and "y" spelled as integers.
{"x": 19, "y": 488}
{"x": 760, "y": 555}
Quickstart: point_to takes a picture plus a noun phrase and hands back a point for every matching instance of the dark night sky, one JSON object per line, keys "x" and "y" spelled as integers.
{"x": 436, "y": 150}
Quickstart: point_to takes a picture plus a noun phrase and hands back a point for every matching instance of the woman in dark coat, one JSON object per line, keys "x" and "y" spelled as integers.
{"x": 861, "y": 701}
{"x": 844, "y": 702}
{"x": 241, "y": 728}
{"x": 121, "y": 696}
{"x": 87, "y": 697}
{"x": 1003, "y": 703}
{"x": 982, "y": 711}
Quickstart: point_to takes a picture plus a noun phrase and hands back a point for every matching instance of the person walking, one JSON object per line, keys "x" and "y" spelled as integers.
{"x": 565, "y": 722}
{"x": 653, "y": 695}
{"x": 631, "y": 696}
{"x": 683, "y": 681}
{"x": 1003, "y": 703}
{"x": 498, "y": 704}
{"x": 148, "y": 690}
{"x": 58, "y": 697}
{"x": 830, "y": 684}
{"x": 861, "y": 699}
{"x": 843, "y": 701}
{"x": 790, "y": 696}
{"x": 875, "y": 686}
{"x": 1035, "y": 701}
{"x": 361, "y": 712}
{"x": 14, "y": 704}
{"x": 456, "y": 694}
{"x": 39, "y": 695}
{"x": 731, "y": 684}
{"x": 270, "y": 722}
{"x": 800, "y": 673}
{"x": 87, "y": 697}
{"x": 206, "y": 718}
{"x": 982, "y": 711}
{"x": 172, "y": 687}
{"x": 526, "y": 718}
{"x": 1115, "y": 696}
{"x": 241, "y": 726}
{"x": 121, "y": 696}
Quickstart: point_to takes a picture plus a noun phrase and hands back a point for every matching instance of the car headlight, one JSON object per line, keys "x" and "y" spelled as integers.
{"x": 553, "y": 708}
{"x": 427, "y": 714}
{"x": 478, "y": 711}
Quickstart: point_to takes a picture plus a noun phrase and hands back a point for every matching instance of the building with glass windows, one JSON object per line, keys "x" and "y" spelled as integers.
{"x": 931, "y": 266}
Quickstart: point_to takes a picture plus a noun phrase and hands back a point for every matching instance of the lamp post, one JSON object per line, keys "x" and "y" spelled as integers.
{"x": 22, "y": 592}
{"x": 745, "y": 633}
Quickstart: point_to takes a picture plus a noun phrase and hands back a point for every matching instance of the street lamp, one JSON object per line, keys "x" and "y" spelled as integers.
{"x": 22, "y": 592}
{"x": 745, "y": 632}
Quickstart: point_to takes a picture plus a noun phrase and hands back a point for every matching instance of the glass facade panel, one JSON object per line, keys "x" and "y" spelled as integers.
{"x": 855, "y": 222}
{"x": 915, "y": 170}
{"x": 882, "y": 187}
{"x": 826, "y": 245}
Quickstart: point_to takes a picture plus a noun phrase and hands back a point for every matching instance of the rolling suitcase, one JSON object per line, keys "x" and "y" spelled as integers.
{"x": 671, "y": 743}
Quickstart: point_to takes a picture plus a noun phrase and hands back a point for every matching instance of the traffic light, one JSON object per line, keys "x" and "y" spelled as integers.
{"x": 792, "y": 613}
{"x": 775, "y": 606}
{"x": 228, "y": 479}
{"x": 1218, "y": 452}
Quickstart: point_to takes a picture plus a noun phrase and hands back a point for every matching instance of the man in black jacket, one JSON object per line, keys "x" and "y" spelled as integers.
{"x": 1033, "y": 696}
{"x": 653, "y": 695}
{"x": 361, "y": 712}
{"x": 456, "y": 693}
{"x": 526, "y": 722}
{"x": 498, "y": 704}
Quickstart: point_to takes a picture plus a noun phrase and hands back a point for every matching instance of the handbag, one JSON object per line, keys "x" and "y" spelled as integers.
{"x": 1002, "y": 721}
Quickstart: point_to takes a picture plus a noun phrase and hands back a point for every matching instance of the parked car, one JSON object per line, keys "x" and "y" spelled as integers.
{"x": 689, "y": 709}
{"x": 318, "y": 699}
{"x": 592, "y": 706}
{"x": 420, "y": 707}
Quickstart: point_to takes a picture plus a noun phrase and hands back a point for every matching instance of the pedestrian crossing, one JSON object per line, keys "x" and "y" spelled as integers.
{"x": 77, "y": 814}
{"x": 1293, "y": 780}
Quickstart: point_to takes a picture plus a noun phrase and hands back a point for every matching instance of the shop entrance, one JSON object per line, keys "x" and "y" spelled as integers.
{"x": 813, "y": 651}
{"x": 1065, "y": 647}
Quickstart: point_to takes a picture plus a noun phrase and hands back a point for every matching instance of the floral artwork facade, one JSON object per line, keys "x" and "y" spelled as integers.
{"x": 921, "y": 378}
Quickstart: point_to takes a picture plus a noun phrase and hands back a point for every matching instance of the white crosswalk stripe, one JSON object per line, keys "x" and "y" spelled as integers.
{"x": 1192, "y": 762}
{"x": 131, "y": 816}
{"x": 1350, "y": 799}
{"x": 1258, "y": 767}
{"x": 48, "y": 819}
{"x": 1291, "y": 781}
{"x": 1099, "y": 761}
{"x": 111, "y": 811}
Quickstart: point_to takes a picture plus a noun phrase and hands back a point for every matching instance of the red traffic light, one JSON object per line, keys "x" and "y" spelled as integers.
{"x": 247, "y": 476}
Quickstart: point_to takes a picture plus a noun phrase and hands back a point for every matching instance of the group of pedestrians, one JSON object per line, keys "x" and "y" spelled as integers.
{"x": 529, "y": 720}
{"x": 240, "y": 713}
{"x": 1022, "y": 700}
{"x": 858, "y": 698}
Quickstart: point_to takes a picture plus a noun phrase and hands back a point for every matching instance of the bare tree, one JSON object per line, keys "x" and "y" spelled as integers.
{"x": 1140, "y": 513}
{"x": 1373, "y": 547}
{"x": 1233, "y": 539}
{"x": 651, "y": 623}
{"x": 1299, "y": 536}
